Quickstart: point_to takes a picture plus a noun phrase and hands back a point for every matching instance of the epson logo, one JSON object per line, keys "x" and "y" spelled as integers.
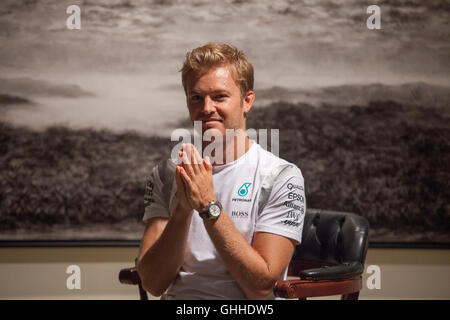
{"x": 296, "y": 196}
{"x": 239, "y": 214}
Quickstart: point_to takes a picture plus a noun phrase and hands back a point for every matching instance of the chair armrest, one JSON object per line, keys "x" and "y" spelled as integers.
{"x": 341, "y": 271}
{"x": 309, "y": 288}
{"x": 129, "y": 276}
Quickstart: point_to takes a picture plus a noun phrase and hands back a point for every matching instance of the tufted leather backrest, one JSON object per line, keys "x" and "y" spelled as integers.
{"x": 331, "y": 238}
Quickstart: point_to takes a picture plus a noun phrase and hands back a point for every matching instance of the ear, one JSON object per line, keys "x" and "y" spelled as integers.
{"x": 248, "y": 101}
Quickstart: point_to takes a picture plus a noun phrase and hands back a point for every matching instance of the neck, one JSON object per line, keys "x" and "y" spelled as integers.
{"x": 232, "y": 149}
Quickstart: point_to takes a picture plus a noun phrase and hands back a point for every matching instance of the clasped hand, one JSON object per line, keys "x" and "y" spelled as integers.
{"x": 194, "y": 179}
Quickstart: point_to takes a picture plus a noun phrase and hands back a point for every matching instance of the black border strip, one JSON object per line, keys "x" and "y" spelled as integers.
{"x": 136, "y": 243}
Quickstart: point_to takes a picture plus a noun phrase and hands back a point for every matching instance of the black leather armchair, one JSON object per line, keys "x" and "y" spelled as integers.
{"x": 329, "y": 261}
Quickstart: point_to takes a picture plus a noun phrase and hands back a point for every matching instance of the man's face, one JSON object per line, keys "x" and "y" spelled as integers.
{"x": 215, "y": 99}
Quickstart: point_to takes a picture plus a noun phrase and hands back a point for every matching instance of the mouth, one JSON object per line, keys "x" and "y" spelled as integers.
{"x": 211, "y": 121}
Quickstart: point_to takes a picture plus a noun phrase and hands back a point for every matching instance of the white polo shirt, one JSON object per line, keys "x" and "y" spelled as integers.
{"x": 259, "y": 191}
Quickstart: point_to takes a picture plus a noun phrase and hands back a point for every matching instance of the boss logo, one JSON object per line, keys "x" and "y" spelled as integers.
{"x": 239, "y": 214}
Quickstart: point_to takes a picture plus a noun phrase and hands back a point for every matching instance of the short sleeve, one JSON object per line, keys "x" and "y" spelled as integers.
{"x": 154, "y": 202}
{"x": 285, "y": 209}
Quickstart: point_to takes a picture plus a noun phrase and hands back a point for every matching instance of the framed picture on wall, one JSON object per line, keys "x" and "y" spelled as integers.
{"x": 91, "y": 95}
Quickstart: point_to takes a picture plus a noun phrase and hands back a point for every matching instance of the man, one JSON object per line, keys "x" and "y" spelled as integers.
{"x": 220, "y": 229}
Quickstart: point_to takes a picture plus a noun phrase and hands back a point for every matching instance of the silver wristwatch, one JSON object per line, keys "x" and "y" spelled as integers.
{"x": 212, "y": 211}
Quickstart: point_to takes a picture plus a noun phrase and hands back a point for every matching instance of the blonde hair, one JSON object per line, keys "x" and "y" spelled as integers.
{"x": 213, "y": 54}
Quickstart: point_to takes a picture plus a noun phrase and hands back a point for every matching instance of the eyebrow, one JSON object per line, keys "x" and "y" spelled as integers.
{"x": 213, "y": 92}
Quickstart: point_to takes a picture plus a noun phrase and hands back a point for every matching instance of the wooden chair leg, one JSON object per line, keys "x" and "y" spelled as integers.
{"x": 142, "y": 293}
{"x": 350, "y": 296}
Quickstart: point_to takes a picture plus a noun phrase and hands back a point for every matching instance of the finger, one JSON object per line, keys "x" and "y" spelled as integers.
{"x": 187, "y": 166}
{"x": 207, "y": 163}
{"x": 185, "y": 177}
{"x": 181, "y": 185}
{"x": 192, "y": 167}
{"x": 191, "y": 153}
{"x": 184, "y": 154}
{"x": 196, "y": 160}
{"x": 178, "y": 176}
{"x": 180, "y": 157}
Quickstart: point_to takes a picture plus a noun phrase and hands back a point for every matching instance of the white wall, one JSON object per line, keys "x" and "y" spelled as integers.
{"x": 40, "y": 273}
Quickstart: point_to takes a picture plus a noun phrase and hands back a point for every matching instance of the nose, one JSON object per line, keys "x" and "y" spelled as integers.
{"x": 208, "y": 105}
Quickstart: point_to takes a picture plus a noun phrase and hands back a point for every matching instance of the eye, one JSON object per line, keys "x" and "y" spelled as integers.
{"x": 220, "y": 97}
{"x": 195, "y": 98}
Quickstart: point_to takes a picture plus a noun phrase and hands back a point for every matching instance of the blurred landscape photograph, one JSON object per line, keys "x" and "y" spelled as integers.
{"x": 86, "y": 114}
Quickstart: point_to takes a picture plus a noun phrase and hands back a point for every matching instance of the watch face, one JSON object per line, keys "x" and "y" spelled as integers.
{"x": 214, "y": 210}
